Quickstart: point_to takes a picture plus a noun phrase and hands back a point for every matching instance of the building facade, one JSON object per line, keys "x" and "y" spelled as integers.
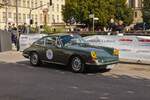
{"x": 136, "y": 5}
{"x": 43, "y": 12}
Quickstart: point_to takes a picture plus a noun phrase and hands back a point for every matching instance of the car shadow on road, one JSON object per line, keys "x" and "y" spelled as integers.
{"x": 50, "y": 66}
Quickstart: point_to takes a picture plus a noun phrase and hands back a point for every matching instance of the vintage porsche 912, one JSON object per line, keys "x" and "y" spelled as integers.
{"x": 70, "y": 50}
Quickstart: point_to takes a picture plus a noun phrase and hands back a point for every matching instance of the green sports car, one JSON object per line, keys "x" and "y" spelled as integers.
{"x": 72, "y": 50}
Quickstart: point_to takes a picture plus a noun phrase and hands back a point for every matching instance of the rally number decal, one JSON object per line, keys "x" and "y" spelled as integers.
{"x": 49, "y": 54}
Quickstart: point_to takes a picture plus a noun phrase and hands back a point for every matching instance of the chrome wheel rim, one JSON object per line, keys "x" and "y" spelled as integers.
{"x": 76, "y": 64}
{"x": 34, "y": 59}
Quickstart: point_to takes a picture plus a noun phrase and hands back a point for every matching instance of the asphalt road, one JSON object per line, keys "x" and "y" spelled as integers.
{"x": 20, "y": 81}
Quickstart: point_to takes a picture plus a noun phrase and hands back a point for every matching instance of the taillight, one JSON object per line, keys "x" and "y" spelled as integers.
{"x": 116, "y": 52}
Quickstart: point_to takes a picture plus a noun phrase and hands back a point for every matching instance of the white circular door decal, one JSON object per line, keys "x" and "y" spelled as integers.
{"x": 49, "y": 54}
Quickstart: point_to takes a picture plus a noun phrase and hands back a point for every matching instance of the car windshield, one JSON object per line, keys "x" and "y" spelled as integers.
{"x": 72, "y": 39}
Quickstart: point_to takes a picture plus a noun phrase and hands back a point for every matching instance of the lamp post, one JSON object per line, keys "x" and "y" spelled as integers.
{"x": 93, "y": 20}
{"x": 18, "y": 35}
{"x": 92, "y": 16}
{"x": 93, "y": 23}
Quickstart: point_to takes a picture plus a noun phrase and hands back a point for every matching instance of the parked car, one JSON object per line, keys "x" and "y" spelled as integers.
{"x": 141, "y": 26}
{"x": 72, "y": 50}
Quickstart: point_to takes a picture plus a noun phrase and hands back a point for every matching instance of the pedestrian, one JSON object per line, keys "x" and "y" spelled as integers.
{"x": 24, "y": 28}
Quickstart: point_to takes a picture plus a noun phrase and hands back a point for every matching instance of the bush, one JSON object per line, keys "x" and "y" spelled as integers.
{"x": 47, "y": 29}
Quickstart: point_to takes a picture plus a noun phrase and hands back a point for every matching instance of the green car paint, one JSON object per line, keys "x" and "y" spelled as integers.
{"x": 60, "y": 48}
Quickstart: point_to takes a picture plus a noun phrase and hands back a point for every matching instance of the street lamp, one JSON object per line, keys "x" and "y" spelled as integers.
{"x": 17, "y": 25}
{"x": 93, "y": 18}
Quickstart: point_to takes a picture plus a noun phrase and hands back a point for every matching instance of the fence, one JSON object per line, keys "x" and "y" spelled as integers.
{"x": 132, "y": 48}
{"x": 5, "y": 41}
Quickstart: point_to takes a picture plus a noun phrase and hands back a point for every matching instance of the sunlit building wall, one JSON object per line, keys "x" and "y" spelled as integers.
{"x": 53, "y": 12}
{"x": 136, "y": 5}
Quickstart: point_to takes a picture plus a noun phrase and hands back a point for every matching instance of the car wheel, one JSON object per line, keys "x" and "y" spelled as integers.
{"x": 34, "y": 59}
{"x": 77, "y": 65}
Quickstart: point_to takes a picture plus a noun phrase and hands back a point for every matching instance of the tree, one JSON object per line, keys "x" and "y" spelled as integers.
{"x": 123, "y": 12}
{"x": 103, "y": 9}
{"x": 146, "y": 11}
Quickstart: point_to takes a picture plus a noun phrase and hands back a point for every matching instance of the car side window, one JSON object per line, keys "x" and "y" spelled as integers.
{"x": 40, "y": 42}
{"x": 50, "y": 41}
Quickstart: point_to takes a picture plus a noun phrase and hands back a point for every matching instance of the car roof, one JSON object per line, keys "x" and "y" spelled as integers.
{"x": 60, "y": 34}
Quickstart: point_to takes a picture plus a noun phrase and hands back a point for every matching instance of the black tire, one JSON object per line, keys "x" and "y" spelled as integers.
{"x": 77, "y": 65}
{"x": 34, "y": 59}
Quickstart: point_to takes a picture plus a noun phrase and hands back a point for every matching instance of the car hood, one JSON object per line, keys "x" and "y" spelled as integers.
{"x": 100, "y": 51}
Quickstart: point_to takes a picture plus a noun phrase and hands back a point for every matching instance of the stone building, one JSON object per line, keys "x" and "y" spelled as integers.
{"x": 45, "y": 14}
{"x": 136, "y": 5}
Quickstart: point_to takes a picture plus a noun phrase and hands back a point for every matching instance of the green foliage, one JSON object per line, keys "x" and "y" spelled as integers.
{"x": 123, "y": 12}
{"x": 103, "y": 9}
{"x": 146, "y": 11}
{"x": 47, "y": 29}
{"x": 33, "y": 30}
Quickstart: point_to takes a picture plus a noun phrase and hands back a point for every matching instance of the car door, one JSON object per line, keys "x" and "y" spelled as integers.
{"x": 61, "y": 52}
{"x": 49, "y": 49}
{"x": 39, "y": 47}
{"x": 54, "y": 51}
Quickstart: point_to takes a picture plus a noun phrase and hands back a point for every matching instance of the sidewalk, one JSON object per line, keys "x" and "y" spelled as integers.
{"x": 11, "y": 56}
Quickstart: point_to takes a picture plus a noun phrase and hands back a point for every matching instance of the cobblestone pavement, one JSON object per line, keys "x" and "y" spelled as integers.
{"x": 11, "y": 56}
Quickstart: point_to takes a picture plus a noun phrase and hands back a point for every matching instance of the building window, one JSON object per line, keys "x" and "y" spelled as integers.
{"x": 57, "y": 18}
{"x": 19, "y": 17}
{"x": 19, "y": 3}
{"x": 48, "y": 18}
{"x": 41, "y": 3}
{"x": 140, "y": 3}
{"x": 24, "y": 3}
{"x": 14, "y": 16}
{"x": 32, "y": 16}
{"x": 62, "y": 6}
{"x": 36, "y": 4}
{"x": 53, "y": 18}
{"x": 9, "y": 15}
{"x": 32, "y": 4}
{"x": 57, "y": 7}
{"x": 28, "y": 4}
{"x": 24, "y": 17}
{"x": 14, "y": 2}
{"x": 36, "y": 19}
{"x": 4, "y": 16}
{"x": 53, "y": 7}
{"x": 135, "y": 15}
{"x": 41, "y": 18}
{"x": 132, "y": 3}
{"x": 28, "y": 16}
{"x": 10, "y": 2}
